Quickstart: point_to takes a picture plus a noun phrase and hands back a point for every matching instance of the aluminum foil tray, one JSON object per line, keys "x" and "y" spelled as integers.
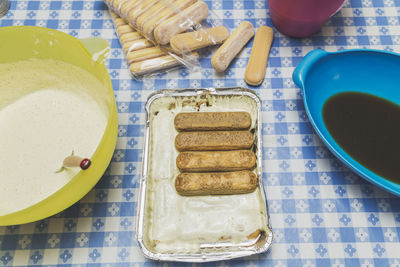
{"x": 171, "y": 227}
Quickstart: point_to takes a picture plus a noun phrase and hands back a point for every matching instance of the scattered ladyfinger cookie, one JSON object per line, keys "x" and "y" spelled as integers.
{"x": 255, "y": 70}
{"x": 232, "y": 46}
{"x": 191, "y": 41}
{"x": 212, "y": 121}
{"x": 180, "y": 22}
{"x": 215, "y": 183}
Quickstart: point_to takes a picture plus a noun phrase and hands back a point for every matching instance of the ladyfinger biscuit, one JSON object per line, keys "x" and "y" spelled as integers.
{"x": 116, "y": 19}
{"x": 205, "y": 121}
{"x": 215, "y": 183}
{"x": 153, "y": 65}
{"x": 130, "y": 36}
{"x": 128, "y": 6}
{"x": 136, "y": 45}
{"x": 231, "y": 47}
{"x": 108, "y": 3}
{"x": 191, "y": 41}
{"x": 134, "y": 13}
{"x": 112, "y": 13}
{"x": 180, "y": 22}
{"x": 154, "y": 10}
{"x": 119, "y": 22}
{"x": 144, "y": 54}
{"x": 166, "y": 13}
{"x": 114, "y": 4}
{"x": 124, "y": 29}
{"x": 149, "y": 25}
{"x": 257, "y": 65}
{"x": 218, "y": 140}
{"x": 208, "y": 161}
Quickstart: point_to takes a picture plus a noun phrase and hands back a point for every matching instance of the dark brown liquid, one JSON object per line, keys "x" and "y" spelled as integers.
{"x": 368, "y": 129}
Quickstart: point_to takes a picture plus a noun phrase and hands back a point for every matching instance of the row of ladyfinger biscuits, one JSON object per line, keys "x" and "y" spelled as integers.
{"x": 181, "y": 43}
{"x": 160, "y": 20}
{"x": 214, "y": 153}
{"x": 138, "y": 48}
{"x": 141, "y": 54}
{"x": 148, "y": 14}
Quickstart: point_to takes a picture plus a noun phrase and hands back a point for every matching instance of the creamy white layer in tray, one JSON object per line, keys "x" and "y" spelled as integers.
{"x": 177, "y": 224}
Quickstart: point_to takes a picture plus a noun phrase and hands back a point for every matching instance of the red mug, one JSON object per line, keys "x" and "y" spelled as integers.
{"x": 302, "y": 18}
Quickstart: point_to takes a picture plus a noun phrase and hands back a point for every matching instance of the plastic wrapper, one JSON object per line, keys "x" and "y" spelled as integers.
{"x": 177, "y": 27}
{"x": 143, "y": 57}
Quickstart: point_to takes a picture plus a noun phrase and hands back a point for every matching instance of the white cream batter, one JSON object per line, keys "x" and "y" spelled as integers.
{"x": 174, "y": 223}
{"x": 47, "y": 110}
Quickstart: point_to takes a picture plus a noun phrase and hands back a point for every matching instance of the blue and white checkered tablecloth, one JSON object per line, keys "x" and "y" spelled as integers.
{"x": 322, "y": 214}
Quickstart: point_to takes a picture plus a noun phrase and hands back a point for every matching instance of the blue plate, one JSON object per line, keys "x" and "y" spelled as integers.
{"x": 322, "y": 74}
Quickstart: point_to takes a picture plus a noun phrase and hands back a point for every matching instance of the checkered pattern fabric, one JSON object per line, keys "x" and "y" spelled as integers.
{"x": 322, "y": 214}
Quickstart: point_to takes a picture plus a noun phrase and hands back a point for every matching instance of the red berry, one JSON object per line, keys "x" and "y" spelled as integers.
{"x": 85, "y": 163}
